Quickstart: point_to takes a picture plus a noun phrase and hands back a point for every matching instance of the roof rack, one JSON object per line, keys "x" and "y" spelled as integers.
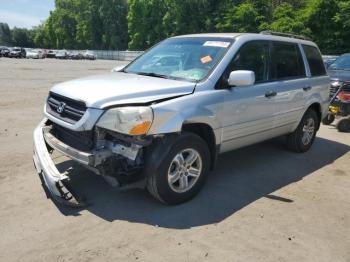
{"x": 285, "y": 35}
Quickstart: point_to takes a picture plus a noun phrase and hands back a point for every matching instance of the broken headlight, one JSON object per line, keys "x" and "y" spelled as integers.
{"x": 127, "y": 120}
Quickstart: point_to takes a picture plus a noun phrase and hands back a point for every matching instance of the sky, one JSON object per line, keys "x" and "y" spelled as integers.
{"x": 25, "y": 13}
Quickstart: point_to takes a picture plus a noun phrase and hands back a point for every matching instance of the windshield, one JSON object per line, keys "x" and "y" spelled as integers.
{"x": 342, "y": 63}
{"x": 190, "y": 59}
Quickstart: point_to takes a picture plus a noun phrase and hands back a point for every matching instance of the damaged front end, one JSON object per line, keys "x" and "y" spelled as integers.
{"x": 118, "y": 158}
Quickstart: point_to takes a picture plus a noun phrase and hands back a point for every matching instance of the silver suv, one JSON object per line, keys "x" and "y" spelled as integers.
{"x": 162, "y": 121}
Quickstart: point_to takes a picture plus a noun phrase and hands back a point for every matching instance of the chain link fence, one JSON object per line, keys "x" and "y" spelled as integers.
{"x": 116, "y": 55}
{"x": 102, "y": 54}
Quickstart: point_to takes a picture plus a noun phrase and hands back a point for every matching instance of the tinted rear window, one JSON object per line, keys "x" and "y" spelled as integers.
{"x": 286, "y": 61}
{"x": 315, "y": 61}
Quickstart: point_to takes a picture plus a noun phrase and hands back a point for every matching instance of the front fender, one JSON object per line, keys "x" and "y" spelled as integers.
{"x": 203, "y": 107}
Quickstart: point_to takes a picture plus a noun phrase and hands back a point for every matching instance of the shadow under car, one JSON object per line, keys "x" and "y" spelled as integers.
{"x": 240, "y": 178}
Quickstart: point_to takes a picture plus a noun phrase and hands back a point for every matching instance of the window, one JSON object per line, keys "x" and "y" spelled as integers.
{"x": 253, "y": 56}
{"x": 315, "y": 61}
{"x": 286, "y": 61}
{"x": 186, "y": 58}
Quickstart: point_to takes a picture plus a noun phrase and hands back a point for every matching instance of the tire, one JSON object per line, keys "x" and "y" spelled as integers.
{"x": 299, "y": 141}
{"x": 344, "y": 125}
{"x": 329, "y": 119}
{"x": 159, "y": 180}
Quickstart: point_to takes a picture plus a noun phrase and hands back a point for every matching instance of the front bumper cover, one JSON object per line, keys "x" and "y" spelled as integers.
{"x": 55, "y": 183}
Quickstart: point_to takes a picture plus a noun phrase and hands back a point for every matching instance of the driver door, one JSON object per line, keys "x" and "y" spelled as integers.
{"x": 248, "y": 112}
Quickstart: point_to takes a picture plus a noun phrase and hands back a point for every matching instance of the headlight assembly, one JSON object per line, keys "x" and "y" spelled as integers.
{"x": 127, "y": 120}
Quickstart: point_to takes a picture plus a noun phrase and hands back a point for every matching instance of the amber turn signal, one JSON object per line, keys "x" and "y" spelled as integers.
{"x": 140, "y": 129}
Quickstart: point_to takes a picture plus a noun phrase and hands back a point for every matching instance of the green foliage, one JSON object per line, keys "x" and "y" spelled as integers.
{"x": 241, "y": 18}
{"x": 145, "y": 22}
{"x": 286, "y": 19}
{"x": 325, "y": 21}
{"x": 22, "y": 37}
{"x": 81, "y": 24}
{"x": 139, "y": 24}
{"x": 5, "y": 34}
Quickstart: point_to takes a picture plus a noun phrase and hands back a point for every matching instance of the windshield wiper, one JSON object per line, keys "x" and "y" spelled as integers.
{"x": 152, "y": 74}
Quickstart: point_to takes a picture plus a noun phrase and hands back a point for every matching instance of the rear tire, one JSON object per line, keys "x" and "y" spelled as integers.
{"x": 302, "y": 138}
{"x": 329, "y": 119}
{"x": 182, "y": 171}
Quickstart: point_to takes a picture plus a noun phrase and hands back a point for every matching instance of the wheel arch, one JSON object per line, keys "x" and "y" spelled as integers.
{"x": 318, "y": 109}
{"x": 207, "y": 133}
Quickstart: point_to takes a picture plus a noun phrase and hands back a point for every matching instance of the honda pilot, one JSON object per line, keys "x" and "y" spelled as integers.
{"x": 163, "y": 120}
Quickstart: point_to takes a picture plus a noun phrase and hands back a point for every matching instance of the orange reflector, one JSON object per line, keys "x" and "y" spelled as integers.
{"x": 140, "y": 129}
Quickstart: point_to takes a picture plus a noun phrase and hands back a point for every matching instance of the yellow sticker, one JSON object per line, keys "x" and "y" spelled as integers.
{"x": 206, "y": 59}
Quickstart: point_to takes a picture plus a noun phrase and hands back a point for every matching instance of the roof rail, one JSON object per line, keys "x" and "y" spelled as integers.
{"x": 285, "y": 35}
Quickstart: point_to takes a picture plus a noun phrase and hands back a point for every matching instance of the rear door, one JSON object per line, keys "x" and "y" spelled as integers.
{"x": 289, "y": 78}
{"x": 319, "y": 82}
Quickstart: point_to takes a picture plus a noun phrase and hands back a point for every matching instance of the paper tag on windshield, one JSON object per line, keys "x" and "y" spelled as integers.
{"x": 217, "y": 44}
{"x": 206, "y": 59}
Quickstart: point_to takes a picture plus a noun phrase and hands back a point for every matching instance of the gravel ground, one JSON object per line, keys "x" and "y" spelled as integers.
{"x": 262, "y": 203}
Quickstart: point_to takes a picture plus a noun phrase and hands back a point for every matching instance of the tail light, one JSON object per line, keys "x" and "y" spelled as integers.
{"x": 344, "y": 96}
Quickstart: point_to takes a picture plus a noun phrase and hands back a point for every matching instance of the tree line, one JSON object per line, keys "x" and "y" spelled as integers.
{"x": 139, "y": 24}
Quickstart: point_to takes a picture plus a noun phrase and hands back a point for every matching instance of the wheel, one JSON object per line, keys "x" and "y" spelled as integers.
{"x": 303, "y": 137}
{"x": 329, "y": 119}
{"x": 182, "y": 171}
{"x": 344, "y": 125}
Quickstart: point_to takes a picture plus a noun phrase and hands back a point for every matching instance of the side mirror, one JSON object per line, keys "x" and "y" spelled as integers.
{"x": 118, "y": 68}
{"x": 241, "y": 78}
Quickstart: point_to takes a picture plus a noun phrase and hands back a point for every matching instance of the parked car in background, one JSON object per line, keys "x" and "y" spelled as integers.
{"x": 44, "y": 52}
{"x": 17, "y": 52}
{"x": 329, "y": 59}
{"x": 339, "y": 70}
{"x": 75, "y": 55}
{"x": 89, "y": 55}
{"x": 163, "y": 126}
{"x": 51, "y": 54}
{"x": 35, "y": 54}
{"x": 62, "y": 54}
{"x": 4, "y": 51}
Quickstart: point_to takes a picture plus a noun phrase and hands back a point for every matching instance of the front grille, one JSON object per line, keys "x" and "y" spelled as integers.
{"x": 80, "y": 140}
{"x": 64, "y": 108}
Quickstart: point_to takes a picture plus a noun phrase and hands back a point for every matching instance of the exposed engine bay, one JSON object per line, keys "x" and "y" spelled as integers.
{"x": 105, "y": 152}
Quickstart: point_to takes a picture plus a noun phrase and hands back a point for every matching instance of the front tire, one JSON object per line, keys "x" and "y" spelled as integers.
{"x": 182, "y": 171}
{"x": 302, "y": 138}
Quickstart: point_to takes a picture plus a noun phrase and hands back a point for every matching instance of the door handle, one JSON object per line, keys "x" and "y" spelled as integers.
{"x": 270, "y": 94}
{"x": 307, "y": 88}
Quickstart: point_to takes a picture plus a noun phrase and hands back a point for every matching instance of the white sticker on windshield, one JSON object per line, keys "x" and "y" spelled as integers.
{"x": 217, "y": 44}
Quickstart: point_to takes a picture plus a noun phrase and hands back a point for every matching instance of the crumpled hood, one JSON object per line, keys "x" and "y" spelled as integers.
{"x": 121, "y": 88}
{"x": 340, "y": 75}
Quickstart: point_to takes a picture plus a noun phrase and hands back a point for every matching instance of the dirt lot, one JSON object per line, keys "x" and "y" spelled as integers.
{"x": 262, "y": 203}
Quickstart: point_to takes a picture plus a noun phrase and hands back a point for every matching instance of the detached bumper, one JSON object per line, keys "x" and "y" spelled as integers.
{"x": 54, "y": 183}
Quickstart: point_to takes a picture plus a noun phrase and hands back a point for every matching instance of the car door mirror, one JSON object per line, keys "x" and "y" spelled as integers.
{"x": 241, "y": 78}
{"x": 118, "y": 68}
